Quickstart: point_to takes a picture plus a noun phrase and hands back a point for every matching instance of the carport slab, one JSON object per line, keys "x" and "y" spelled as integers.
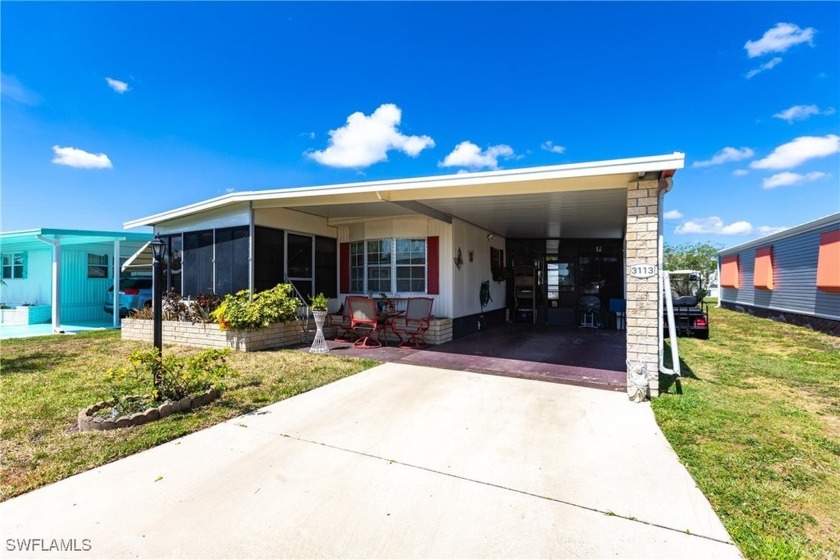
{"x": 397, "y": 461}
{"x": 577, "y": 356}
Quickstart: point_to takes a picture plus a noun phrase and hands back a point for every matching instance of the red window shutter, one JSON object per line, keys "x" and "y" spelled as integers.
{"x": 344, "y": 268}
{"x": 433, "y": 265}
{"x": 730, "y": 274}
{"x": 828, "y": 266}
{"x": 763, "y": 271}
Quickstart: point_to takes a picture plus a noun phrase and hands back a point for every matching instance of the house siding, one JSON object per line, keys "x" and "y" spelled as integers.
{"x": 466, "y": 281}
{"x": 35, "y": 288}
{"x": 794, "y": 277}
{"x": 82, "y": 298}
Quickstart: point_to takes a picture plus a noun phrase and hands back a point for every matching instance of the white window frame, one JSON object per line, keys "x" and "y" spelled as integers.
{"x": 12, "y": 266}
{"x": 105, "y": 266}
{"x": 393, "y": 267}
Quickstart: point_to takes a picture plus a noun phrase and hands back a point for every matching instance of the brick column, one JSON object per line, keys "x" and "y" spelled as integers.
{"x": 642, "y": 237}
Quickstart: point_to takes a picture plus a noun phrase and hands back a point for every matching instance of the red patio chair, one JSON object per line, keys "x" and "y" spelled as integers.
{"x": 414, "y": 322}
{"x": 363, "y": 321}
{"x": 341, "y": 321}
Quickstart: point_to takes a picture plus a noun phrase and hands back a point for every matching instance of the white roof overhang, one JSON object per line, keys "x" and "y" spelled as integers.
{"x": 574, "y": 200}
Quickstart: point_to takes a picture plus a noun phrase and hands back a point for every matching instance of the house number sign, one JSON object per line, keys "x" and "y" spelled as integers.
{"x": 642, "y": 270}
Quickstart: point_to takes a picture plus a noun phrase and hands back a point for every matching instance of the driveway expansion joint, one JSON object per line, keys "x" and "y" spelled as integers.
{"x": 490, "y": 484}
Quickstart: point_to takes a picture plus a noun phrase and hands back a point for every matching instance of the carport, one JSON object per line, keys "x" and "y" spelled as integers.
{"x": 597, "y": 224}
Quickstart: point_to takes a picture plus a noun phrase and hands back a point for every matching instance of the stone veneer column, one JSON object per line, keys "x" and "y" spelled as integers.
{"x": 642, "y": 237}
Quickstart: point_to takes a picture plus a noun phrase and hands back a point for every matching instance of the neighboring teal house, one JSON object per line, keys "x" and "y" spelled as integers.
{"x": 62, "y": 276}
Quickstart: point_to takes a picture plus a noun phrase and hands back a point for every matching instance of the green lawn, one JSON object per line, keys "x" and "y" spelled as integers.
{"x": 756, "y": 420}
{"x": 47, "y": 380}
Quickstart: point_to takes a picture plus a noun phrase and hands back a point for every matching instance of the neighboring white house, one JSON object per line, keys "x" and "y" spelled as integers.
{"x": 582, "y": 227}
{"x": 55, "y": 275}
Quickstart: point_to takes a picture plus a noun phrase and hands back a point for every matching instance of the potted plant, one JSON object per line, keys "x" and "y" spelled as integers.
{"x": 318, "y": 304}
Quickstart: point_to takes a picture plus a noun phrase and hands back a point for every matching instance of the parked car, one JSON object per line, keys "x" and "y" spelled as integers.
{"x": 135, "y": 293}
{"x": 691, "y": 317}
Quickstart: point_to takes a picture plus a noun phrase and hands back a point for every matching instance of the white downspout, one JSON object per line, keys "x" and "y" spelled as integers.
{"x": 252, "y": 244}
{"x": 669, "y": 306}
{"x": 56, "y": 281}
{"x": 116, "y": 302}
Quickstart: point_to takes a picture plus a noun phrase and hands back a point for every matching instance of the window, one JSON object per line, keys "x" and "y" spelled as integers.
{"x": 172, "y": 263}
{"x": 763, "y": 276}
{"x": 198, "y": 263}
{"x": 14, "y": 265}
{"x": 232, "y": 252}
{"x": 357, "y": 267}
{"x": 411, "y": 265}
{"x": 97, "y": 266}
{"x": 326, "y": 272}
{"x": 388, "y": 265}
{"x": 379, "y": 265}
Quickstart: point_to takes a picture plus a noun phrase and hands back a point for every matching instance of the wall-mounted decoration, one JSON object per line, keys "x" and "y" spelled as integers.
{"x": 459, "y": 260}
{"x": 497, "y": 264}
{"x": 471, "y": 254}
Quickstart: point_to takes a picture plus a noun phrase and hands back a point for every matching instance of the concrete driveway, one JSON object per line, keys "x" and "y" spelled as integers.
{"x": 398, "y": 461}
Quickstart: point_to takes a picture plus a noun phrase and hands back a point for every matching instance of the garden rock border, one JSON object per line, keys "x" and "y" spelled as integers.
{"x": 88, "y": 422}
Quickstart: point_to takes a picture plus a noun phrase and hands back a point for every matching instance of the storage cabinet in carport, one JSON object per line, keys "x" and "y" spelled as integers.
{"x": 525, "y": 292}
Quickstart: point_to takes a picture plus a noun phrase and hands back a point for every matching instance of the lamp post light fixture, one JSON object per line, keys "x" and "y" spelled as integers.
{"x": 158, "y": 250}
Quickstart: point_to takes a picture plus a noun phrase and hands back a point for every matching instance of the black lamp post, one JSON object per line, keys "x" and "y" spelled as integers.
{"x": 158, "y": 250}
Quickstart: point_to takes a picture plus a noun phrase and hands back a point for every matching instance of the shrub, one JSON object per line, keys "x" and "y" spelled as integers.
{"x": 169, "y": 377}
{"x": 319, "y": 302}
{"x": 241, "y": 312}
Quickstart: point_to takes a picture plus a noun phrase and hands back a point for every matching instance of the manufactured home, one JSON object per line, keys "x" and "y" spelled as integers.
{"x": 62, "y": 276}
{"x": 543, "y": 239}
{"x": 792, "y": 276}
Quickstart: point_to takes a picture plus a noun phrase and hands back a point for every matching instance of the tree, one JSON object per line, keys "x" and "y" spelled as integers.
{"x": 701, "y": 257}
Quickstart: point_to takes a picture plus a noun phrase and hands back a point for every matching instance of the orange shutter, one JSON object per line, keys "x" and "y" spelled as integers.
{"x": 763, "y": 278}
{"x": 828, "y": 266}
{"x": 730, "y": 274}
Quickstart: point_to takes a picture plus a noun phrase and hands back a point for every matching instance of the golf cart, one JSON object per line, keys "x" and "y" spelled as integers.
{"x": 691, "y": 313}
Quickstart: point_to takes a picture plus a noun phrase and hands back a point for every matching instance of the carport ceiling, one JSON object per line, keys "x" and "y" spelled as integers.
{"x": 567, "y": 214}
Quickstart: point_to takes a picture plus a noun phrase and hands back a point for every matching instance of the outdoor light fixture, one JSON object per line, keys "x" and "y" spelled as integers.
{"x": 158, "y": 249}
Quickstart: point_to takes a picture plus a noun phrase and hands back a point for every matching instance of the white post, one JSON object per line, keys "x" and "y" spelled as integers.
{"x": 56, "y": 287}
{"x": 116, "y": 295}
{"x": 56, "y": 280}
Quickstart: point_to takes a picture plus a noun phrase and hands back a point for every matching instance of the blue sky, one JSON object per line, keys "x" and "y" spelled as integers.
{"x": 115, "y": 111}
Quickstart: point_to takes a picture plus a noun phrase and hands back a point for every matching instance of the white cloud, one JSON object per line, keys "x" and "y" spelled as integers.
{"x": 466, "y": 154}
{"x": 672, "y": 215}
{"x": 769, "y": 230}
{"x": 117, "y": 85}
{"x": 802, "y": 112}
{"x": 798, "y": 151}
{"x": 741, "y": 172}
{"x": 73, "y": 157}
{"x": 772, "y": 63}
{"x": 12, "y": 88}
{"x": 779, "y": 39}
{"x": 714, "y": 224}
{"x": 786, "y": 178}
{"x": 550, "y": 146}
{"x": 726, "y": 155}
{"x": 366, "y": 140}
